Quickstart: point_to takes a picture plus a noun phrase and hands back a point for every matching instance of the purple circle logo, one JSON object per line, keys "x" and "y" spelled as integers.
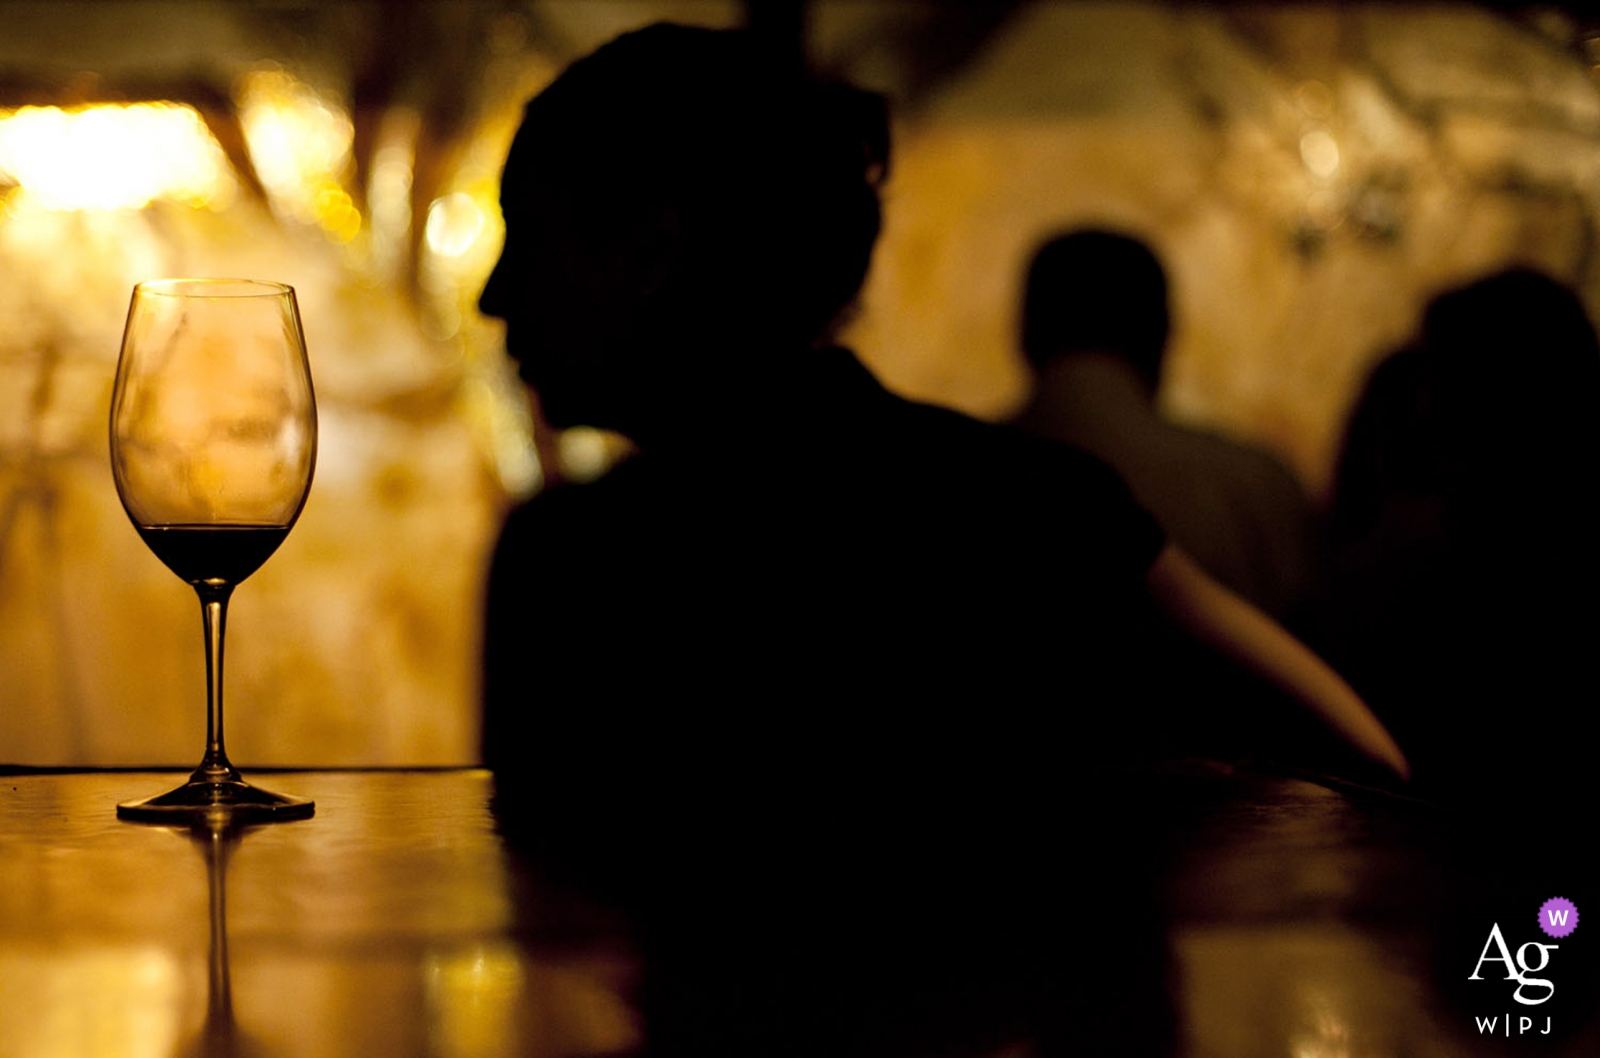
{"x": 1558, "y": 916}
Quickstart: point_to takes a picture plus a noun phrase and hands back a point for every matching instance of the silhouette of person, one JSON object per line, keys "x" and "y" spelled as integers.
{"x": 788, "y": 683}
{"x": 1461, "y": 534}
{"x": 1095, "y": 327}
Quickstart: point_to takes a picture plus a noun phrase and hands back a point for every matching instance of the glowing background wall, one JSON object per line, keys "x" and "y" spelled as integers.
{"x": 1311, "y": 173}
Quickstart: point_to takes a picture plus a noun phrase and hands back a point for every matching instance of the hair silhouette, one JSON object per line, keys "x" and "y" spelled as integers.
{"x": 673, "y": 199}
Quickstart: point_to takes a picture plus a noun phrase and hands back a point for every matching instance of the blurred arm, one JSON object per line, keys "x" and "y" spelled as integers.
{"x": 1216, "y": 616}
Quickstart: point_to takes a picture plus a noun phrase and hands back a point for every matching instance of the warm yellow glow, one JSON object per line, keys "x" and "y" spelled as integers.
{"x": 1327, "y": 1035}
{"x": 389, "y": 191}
{"x": 300, "y": 146}
{"x": 474, "y": 996}
{"x": 499, "y": 410}
{"x": 460, "y": 240}
{"x": 586, "y": 454}
{"x": 1315, "y": 98}
{"x": 1320, "y": 152}
{"x": 454, "y": 223}
{"x": 464, "y": 230}
{"x": 113, "y": 1001}
{"x": 113, "y": 156}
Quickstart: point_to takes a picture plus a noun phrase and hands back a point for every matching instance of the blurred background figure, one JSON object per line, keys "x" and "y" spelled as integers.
{"x": 1096, "y": 324}
{"x": 1463, "y": 535}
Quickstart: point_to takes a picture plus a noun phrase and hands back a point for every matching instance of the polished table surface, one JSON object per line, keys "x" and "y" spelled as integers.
{"x": 1301, "y": 918}
{"x": 384, "y": 925}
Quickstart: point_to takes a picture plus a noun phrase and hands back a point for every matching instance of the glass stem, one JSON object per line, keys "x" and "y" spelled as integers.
{"x": 214, "y": 610}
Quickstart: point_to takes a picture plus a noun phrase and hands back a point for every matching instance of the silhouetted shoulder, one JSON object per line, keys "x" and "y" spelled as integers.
{"x": 850, "y": 553}
{"x": 986, "y": 481}
{"x": 847, "y": 475}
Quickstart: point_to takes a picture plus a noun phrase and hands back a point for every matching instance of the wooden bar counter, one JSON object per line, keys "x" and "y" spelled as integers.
{"x": 387, "y": 924}
{"x": 1297, "y": 918}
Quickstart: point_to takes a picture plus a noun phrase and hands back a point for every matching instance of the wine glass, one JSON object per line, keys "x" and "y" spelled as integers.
{"x": 213, "y": 441}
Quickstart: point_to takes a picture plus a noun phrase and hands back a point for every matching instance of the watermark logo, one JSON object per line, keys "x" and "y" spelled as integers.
{"x": 1558, "y": 916}
{"x": 1495, "y": 950}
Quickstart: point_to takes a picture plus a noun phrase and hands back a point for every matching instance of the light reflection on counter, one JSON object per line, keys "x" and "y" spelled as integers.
{"x": 1306, "y": 992}
{"x": 87, "y": 1002}
{"x": 392, "y": 922}
{"x": 473, "y": 997}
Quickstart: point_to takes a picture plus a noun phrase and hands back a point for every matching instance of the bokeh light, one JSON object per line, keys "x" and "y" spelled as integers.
{"x": 300, "y": 144}
{"x": 114, "y": 156}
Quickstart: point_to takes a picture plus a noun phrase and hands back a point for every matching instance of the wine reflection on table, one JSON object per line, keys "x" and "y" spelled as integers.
{"x": 216, "y": 835}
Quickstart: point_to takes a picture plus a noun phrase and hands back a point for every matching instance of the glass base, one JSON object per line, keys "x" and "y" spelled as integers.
{"x": 231, "y": 800}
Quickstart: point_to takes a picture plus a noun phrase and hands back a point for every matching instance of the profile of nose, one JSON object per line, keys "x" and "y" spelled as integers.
{"x": 489, "y": 302}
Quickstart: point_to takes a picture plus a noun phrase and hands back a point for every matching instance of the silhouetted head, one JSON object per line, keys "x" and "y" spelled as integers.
{"x": 1517, "y": 369}
{"x": 1096, "y": 291}
{"x": 1518, "y": 333}
{"x": 679, "y": 204}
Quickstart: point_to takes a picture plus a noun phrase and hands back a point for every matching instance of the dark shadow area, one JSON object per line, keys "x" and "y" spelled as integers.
{"x": 1462, "y": 534}
{"x": 928, "y": 928}
{"x": 1479, "y": 511}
